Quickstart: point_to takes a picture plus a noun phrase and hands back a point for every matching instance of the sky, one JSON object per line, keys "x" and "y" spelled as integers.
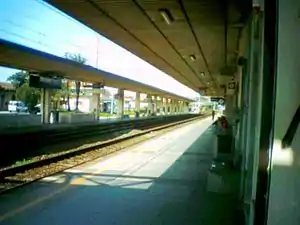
{"x": 47, "y": 29}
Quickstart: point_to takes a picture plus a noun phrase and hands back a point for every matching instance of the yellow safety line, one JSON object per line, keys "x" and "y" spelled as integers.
{"x": 39, "y": 200}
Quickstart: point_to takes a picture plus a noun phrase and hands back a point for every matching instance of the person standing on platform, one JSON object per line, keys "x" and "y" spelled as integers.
{"x": 213, "y": 115}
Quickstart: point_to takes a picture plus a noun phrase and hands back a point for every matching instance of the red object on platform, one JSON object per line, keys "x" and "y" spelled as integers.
{"x": 224, "y": 122}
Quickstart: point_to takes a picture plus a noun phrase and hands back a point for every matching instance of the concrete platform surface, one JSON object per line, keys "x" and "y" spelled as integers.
{"x": 158, "y": 182}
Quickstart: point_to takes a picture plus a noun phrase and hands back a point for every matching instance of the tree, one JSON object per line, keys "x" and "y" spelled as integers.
{"x": 29, "y": 95}
{"x": 19, "y": 78}
{"x": 79, "y": 59}
{"x": 63, "y": 94}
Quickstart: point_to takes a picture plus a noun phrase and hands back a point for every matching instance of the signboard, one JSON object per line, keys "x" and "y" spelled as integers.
{"x": 94, "y": 86}
{"x": 45, "y": 82}
{"x": 98, "y": 85}
{"x": 219, "y": 100}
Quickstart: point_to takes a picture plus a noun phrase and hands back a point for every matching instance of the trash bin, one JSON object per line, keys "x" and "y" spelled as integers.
{"x": 54, "y": 117}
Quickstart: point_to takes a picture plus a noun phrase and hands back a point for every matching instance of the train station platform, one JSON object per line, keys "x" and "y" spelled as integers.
{"x": 161, "y": 181}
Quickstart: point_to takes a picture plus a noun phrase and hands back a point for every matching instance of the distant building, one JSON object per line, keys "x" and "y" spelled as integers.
{"x": 7, "y": 93}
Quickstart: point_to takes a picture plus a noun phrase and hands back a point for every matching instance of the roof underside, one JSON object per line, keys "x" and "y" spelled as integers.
{"x": 202, "y": 28}
{"x": 21, "y": 57}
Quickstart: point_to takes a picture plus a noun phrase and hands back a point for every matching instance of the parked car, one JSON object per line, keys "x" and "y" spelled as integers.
{"x": 17, "y": 106}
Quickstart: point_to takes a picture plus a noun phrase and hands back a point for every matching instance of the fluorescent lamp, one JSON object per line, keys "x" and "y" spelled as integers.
{"x": 192, "y": 57}
{"x": 166, "y": 15}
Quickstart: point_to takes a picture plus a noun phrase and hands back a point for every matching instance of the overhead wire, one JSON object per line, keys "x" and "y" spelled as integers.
{"x": 56, "y": 39}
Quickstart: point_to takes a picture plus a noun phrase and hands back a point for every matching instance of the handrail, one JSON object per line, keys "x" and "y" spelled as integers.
{"x": 291, "y": 131}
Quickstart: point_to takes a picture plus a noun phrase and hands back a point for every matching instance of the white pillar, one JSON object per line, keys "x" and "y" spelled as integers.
{"x": 167, "y": 106}
{"x": 172, "y": 107}
{"x": 150, "y": 105}
{"x": 180, "y": 107}
{"x": 186, "y": 106}
{"x": 45, "y": 105}
{"x": 137, "y": 102}
{"x": 95, "y": 104}
{"x": 164, "y": 106}
{"x": 154, "y": 105}
{"x": 231, "y": 107}
{"x": 120, "y": 103}
{"x": 158, "y": 102}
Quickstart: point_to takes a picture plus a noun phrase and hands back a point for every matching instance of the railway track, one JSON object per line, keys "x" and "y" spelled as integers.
{"x": 22, "y": 146}
{"x": 17, "y": 176}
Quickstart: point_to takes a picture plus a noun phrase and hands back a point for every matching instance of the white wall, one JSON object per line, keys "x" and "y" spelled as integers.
{"x": 284, "y": 201}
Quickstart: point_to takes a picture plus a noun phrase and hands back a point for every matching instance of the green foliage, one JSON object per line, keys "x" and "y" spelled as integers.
{"x": 61, "y": 93}
{"x": 19, "y": 78}
{"x": 75, "y": 57}
{"x": 79, "y": 59}
{"x": 29, "y": 95}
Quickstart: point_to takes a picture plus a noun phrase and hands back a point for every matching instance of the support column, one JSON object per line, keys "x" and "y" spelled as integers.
{"x": 45, "y": 105}
{"x": 138, "y": 102}
{"x": 176, "y": 106}
{"x": 168, "y": 104}
{"x": 181, "y": 107}
{"x": 158, "y": 105}
{"x": 95, "y": 104}
{"x": 164, "y": 105}
{"x": 231, "y": 108}
{"x": 172, "y": 107}
{"x": 121, "y": 103}
{"x": 186, "y": 107}
{"x": 154, "y": 104}
{"x": 150, "y": 105}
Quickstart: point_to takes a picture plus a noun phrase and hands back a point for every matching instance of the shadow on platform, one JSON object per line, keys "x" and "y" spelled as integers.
{"x": 178, "y": 196}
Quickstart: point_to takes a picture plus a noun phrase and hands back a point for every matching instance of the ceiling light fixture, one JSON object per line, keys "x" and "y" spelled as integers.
{"x": 166, "y": 15}
{"x": 192, "y": 57}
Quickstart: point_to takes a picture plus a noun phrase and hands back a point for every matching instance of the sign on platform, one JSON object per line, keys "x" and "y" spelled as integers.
{"x": 98, "y": 85}
{"x": 45, "y": 82}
